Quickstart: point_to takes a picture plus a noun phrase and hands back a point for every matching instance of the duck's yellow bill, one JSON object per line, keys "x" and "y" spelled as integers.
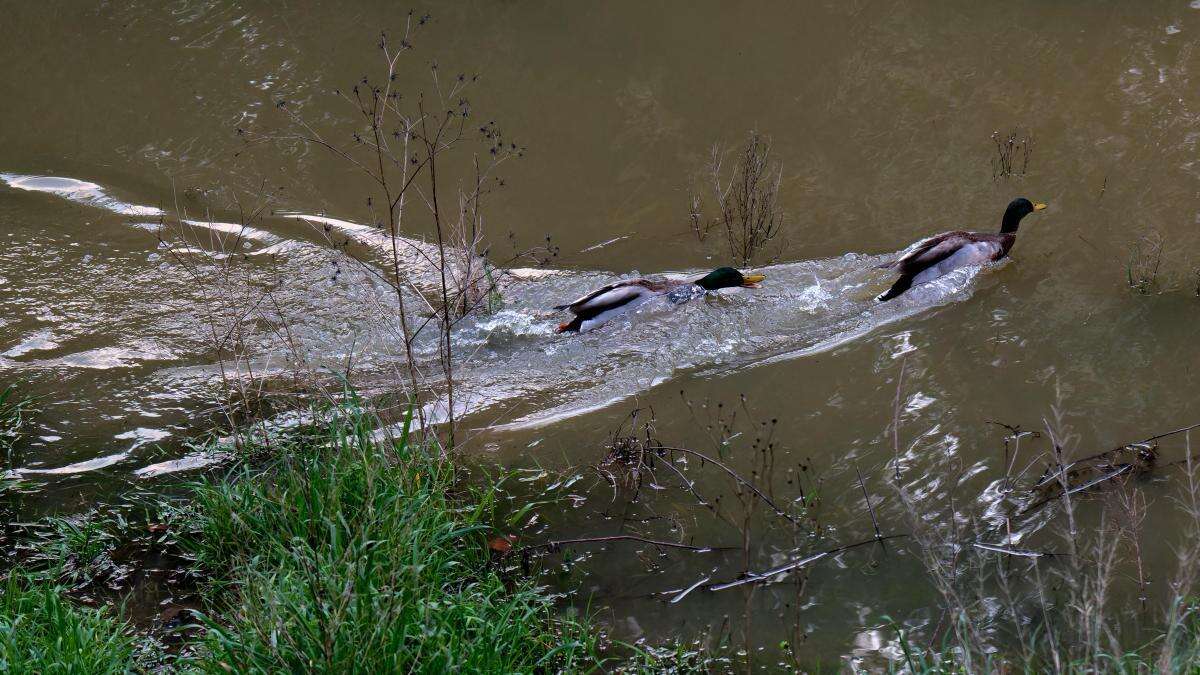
{"x": 751, "y": 279}
{"x": 1039, "y": 207}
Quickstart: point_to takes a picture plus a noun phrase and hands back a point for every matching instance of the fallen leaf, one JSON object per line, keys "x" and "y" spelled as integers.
{"x": 502, "y": 544}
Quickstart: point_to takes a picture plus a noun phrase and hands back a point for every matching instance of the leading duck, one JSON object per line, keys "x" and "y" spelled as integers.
{"x": 941, "y": 255}
{"x": 603, "y": 304}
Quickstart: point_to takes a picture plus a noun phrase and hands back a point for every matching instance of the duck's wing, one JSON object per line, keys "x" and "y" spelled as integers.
{"x": 929, "y": 252}
{"x": 611, "y": 296}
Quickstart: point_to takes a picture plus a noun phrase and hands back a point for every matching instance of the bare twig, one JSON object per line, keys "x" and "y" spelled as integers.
{"x": 870, "y": 507}
{"x": 558, "y": 543}
{"x": 753, "y": 577}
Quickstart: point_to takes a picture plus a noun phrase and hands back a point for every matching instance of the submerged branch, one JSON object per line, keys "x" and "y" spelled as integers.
{"x": 625, "y": 537}
{"x": 733, "y": 474}
{"x": 754, "y": 577}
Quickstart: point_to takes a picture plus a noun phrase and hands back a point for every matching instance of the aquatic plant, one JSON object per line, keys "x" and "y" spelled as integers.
{"x": 16, "y": 408}
{"x": 679, "y": 658}
{"x": 1054, "y": 607}
{"x": 1144, "y": 267}
{"x": 76, "y": 551}
{"x": 747, "y": 200}
{"x": 1012, "y": 155}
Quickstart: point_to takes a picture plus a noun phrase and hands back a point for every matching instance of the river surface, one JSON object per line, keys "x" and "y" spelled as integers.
{"x": 118, "y": 115}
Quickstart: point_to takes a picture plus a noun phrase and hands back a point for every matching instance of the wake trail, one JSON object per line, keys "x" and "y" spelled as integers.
{"x": 513, "y": 370}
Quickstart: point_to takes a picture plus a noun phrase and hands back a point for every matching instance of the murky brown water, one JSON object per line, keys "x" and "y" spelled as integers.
{"x": 882, "y": 115}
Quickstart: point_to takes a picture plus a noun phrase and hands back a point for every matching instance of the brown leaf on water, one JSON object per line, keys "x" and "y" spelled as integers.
{"x": 502, "y": 544}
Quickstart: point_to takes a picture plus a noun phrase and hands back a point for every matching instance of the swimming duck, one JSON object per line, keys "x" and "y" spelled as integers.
{"x": 602, "y": 304}
{"x": 941, "y": 255}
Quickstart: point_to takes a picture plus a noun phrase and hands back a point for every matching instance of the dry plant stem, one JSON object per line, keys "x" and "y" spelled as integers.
{"x": 1005, "y": 163}
{"x": 867, "y": 497}
{"x": 396, "y": 204}
{"x": 1183, "y": 584}
{"x": 399, "y": 150}
{"x": 752, "y": 577}
{"x": 931, "y": 542}
{"x": 1051, "y": 636}
{"x": 1068, "y": 506}
{"x": 625, "y": 537}
{"x": 896, "y": 417}
{"x": 1133, "y": 506}
{"x": 229, "y": 299}
{"x": 431, "y": 150}
{"x": 1010, "y": 601}
{"x": 733, "y": 474}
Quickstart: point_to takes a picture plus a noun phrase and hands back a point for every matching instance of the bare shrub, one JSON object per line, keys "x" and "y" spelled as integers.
{"x": 746, "y": 200}
{"x": 1012, "y": 154}
{"x": 427, "y": 167}
{"x": 237, "y": 302}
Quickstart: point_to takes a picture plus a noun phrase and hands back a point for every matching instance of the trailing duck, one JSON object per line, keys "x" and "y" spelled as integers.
{"x": 603, "y": 304}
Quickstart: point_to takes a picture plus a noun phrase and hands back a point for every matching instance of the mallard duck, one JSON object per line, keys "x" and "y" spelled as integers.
{"x": 941, "y": 255}
{"x": 602, "y": 304}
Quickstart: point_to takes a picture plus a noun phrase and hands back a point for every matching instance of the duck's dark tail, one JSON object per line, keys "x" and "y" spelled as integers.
{"x": 571, "y": 326}
{"x": 902, "y": 284}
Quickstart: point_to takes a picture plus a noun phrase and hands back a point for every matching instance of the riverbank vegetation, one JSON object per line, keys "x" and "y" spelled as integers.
{"x": 42, "y": 631}
{"x": 341, "y": 548}
{"x": 353, "y": 553}
{"x": 341, "y": 552}
{"x": 335, "y": 545}
{"x": 15, "y": 410}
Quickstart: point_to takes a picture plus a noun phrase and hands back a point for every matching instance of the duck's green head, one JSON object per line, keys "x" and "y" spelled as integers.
{"x": 1018, "y": 209}
{"x": 727, "y": 277}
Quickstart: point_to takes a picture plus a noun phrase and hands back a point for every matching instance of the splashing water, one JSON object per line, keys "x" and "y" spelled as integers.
{"x": 512, "y": 370}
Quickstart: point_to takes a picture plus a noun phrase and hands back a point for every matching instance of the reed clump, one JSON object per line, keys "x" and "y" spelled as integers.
{"x": 1072, "y": 595}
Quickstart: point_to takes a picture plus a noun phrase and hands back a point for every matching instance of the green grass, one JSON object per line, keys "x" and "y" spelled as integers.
{"x": 353, "y": 555}
{"x": 74, "y": 551}
{"x": 16, "y": 409}
{"x": 42, "y": 632}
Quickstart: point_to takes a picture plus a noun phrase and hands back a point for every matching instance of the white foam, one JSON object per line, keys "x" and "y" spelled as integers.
{"x": 78, "y": 467}
{"x": 79, "y": 191}
{"x": 38, "y": 341}
{"x": 143, "y": 436}
{"x": 186, "y": 463}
